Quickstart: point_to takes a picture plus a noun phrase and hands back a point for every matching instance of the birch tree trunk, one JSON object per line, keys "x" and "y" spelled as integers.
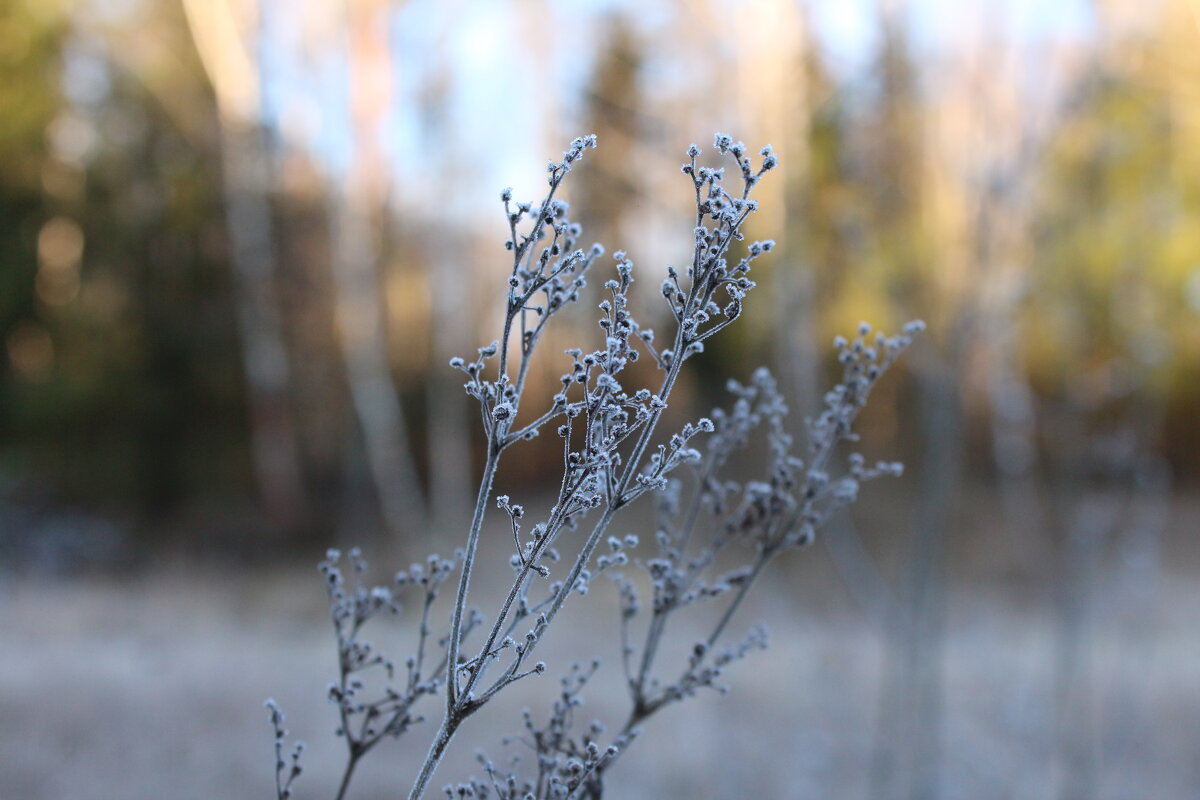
{"x": 448, "y": 417}
{"x": 362, "y": 336}
{"x": 361, "y": 323}
{"x": 222, "y": 38}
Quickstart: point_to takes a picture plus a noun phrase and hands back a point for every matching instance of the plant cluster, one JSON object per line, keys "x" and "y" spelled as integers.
{"x": 613, "y": 453}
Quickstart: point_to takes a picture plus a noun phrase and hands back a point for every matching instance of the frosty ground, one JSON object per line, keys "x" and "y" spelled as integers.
{"x": 149, "y": 687}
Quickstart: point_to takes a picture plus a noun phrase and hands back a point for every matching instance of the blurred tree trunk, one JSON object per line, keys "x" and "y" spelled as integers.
{"x": 449, "y": 421}
{"x": 324, "y": 415}
{"x": 362, "y": 336}
{"x": 614, "y": 113}
{"x": 908, "y": 757}
{"x": 356, "y": 204}
{"x": 777, "y": 43}
{"x": 448, "y": 414}
{"x": 907, "y": 760}
{"x": 222, "y": 34}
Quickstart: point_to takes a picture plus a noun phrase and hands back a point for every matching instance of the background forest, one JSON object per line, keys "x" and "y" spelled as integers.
{"x": 241, "y": 239}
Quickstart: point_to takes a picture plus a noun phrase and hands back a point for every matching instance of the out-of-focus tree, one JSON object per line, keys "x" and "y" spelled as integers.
{"x": 898, "y": 255}
{"x": 1115, "y": 239}
{"x": 448, "y": 416}
{"x": 1118, "y": 300}
{"x": 615, "y": 112}
{"x": 31, "y": 99}
{"x": 357, "y": 209}
{"x": 121, "y": 389}
{"x": 225, "y": 33}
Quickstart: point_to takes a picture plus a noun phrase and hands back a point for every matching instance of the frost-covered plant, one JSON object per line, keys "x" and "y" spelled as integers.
{"x": 612, "y": 454}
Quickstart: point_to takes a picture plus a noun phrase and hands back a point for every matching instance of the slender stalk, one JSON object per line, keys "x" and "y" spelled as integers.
{"x": 347, "y": 774}
{"x": 464, "y": 580}
{"x": 414, "y": 674}
{"x": 572, "y": 578}
{"x": 437, "y": 749}
{"x": 732, "y": 608}
{"x": 553, "y": 527}
{"x": 658, "y": 622}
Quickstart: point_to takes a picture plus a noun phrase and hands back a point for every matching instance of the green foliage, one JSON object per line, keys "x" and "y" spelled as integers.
{"x": 121, "y": 389}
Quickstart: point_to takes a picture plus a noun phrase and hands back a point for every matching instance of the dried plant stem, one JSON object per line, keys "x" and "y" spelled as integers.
{"x": 347, "y": 774}
{"x": 607, "y": 432}
{"x": 464, "y": 582}
{"x": 437, "y": 749}
{"x": 742, "y": 590}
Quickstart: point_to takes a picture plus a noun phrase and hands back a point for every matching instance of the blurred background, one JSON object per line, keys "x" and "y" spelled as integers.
{"x": 240, "y": 239}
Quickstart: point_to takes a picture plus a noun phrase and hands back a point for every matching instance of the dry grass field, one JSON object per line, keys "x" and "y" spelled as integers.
{"x": 151, "y": 687}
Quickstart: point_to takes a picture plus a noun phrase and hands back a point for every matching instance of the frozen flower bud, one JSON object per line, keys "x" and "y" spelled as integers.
{"x": 502, "y": 412}
{"x": 693, "y": 151}
{"x": 506, "y": 195}
{"x": 846, "y": 490}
